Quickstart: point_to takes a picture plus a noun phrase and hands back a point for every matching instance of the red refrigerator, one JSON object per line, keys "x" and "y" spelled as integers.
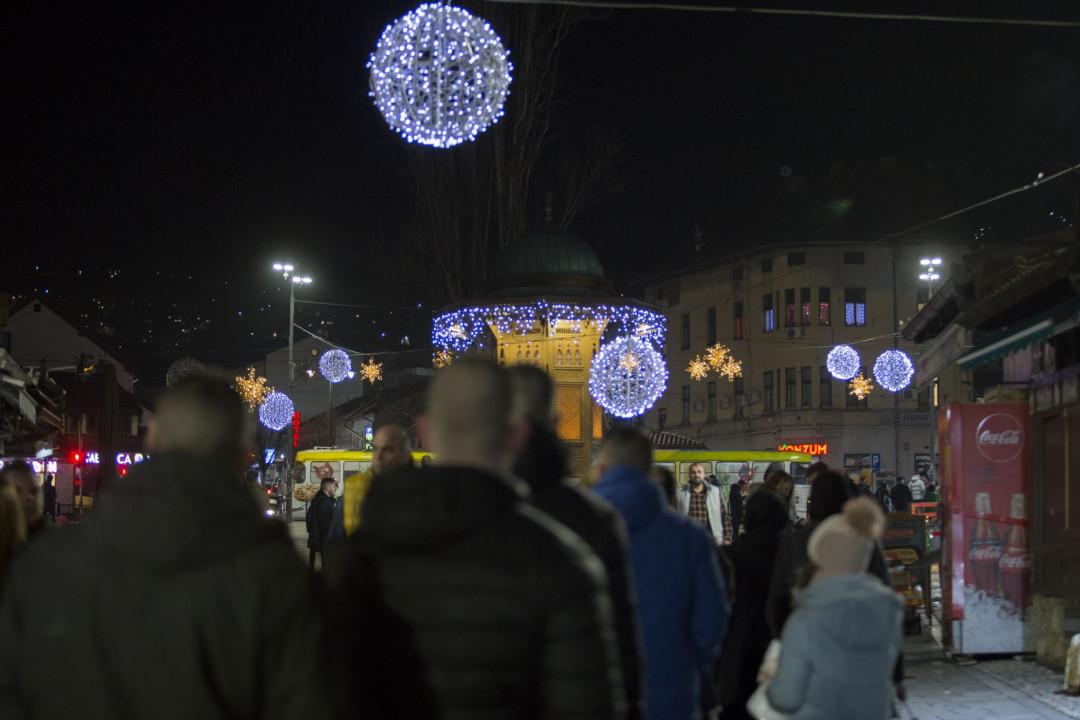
{"x": 986, "y": 565}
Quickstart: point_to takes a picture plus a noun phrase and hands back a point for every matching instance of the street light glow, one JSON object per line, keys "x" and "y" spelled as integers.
{"x": 278, "y": 266}
{"x": 935, "y": 261}
{"x": 924, "y": 261}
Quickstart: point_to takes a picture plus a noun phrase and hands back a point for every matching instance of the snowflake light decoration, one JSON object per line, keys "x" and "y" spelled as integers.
{"x": 276, "y": 411}
{"x": 698, "y": 368}
{"x": 623, "y": 392}
{"x": 843, "y": 362}
{"x": 442, "y": 359}
{"x": 629, "y": 362}
{"x": 252, "y": 389}
{"x": 893, "y": 370}
{"x": 371, "y": 370}
{"x": 440, "y": 75}
{"x": 716, "y": 355}
{"x": 860, "y": 386}
{"x": 335, "y": 365}
{"x": 730, "y": 368}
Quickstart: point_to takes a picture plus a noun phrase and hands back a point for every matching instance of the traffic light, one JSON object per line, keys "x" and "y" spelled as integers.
{"x": 75, "y": 457}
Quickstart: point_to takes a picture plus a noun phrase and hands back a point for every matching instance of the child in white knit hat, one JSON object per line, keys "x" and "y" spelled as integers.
{"x": 839, "y": 646}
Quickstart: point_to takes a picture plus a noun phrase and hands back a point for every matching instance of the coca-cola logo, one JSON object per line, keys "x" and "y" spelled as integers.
{"x": 1011, "y": 563}
{"x": 999, "y": 438}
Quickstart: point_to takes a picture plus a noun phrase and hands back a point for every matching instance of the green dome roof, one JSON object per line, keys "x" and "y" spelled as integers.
{"x": 549, "y": 263}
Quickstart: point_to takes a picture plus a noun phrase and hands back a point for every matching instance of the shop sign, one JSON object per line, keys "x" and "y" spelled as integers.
{"x": 123, "y": 458}
{"x": 817, "y": 449}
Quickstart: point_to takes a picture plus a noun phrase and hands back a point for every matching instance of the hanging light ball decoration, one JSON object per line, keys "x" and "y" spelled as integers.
{"x": 698, "y": 369}
{"x": 335, "y": 365}
{"x": 252, "y": 389}
{"x": 627, "y": 376}
{"x": 183, "y": 368}
{"x": 893, "y": 370}
{"x": 843, "y": 362}
{"x": 276, "y": 411}
{"x": 440, "y": 75}
{"x": 442, "y": 359}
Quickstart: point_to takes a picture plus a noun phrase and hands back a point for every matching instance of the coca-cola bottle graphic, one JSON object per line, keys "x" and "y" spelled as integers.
{"x": 1015, "y": 564}
{"x": 984, "y": 553}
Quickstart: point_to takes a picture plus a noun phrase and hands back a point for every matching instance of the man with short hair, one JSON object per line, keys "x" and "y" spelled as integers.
{"x": 20, "y": 476}
{"x": 390, "y": 449}
{"x": 542, "y": 463}
{"x": 176, "y": 598}
{"x": 456, "y": 598}
{"x": 320, "y": 515}
{"x": 683, "y": 605}
{"x": 700, "y": 501}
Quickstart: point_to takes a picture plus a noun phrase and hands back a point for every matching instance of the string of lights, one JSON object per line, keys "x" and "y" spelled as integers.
{"x": 912, "y": 17}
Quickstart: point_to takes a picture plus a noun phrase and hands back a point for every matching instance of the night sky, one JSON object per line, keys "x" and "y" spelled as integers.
{"x": 159, "y": 156}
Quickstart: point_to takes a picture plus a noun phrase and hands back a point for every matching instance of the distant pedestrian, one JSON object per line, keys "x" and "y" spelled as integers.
{"x": 883, "y": 496}
{"x": 390, "y": 449}
{"x": 917, "y": 486}
{"x": 932, "y": 494}
{"x": 735, "y": 502}
{"x": 12, "y": 530}
{"x": 20, "y": 476}
{"x": 832, "y": 665}
{"x": 700, "y": 501}
{"x": 683, "y": 605}
{"x": 320, "y": 515}
{"x": 457, "y": 598}
{"x": 176, "y": 598}
{"x": 784, "y": 486}
{"x": 901, "y": 496}
{"x": 49, "y": 496}
{"x": 666, "y": 479}
{"x": 752, "y": 556}
{"x": 542, "y": 463}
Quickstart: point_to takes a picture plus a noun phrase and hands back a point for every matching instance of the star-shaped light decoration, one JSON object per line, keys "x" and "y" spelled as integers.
{"x": 861, "y": 386}
{"x": 730, "y": 368}
{"x": 441, "y": 359}
{"x": 716, "y": 355}
{"x": 698, "y": 368}
{"x": 629, "y": 362}
{"x": 253, "y": 390}
{"x": 459, "y": 332}
{"x": 371, "y": 370}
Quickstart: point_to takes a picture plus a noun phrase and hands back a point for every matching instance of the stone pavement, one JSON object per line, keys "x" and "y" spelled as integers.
{"x": 997, "y": 689}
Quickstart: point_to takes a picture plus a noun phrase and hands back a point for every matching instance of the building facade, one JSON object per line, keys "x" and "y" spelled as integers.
{"x": 780, "y": 309}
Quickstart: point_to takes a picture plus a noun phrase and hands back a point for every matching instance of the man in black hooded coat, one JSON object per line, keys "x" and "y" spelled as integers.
{"x": 542, "y": 464}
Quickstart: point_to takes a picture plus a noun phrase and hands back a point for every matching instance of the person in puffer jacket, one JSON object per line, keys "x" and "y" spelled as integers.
{"x": 840, "y": 644}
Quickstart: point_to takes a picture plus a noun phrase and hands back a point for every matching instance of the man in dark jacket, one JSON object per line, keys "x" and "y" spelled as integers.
{"x": 542, "y": 464}
{"x": 320, "y": 516}
{"x": 735, "y": 502}
{"x": 901, "y": 496}
{"x": 683, "y": 605}
{"x": 456, "y": 598}
{"x": 177, "y": 598}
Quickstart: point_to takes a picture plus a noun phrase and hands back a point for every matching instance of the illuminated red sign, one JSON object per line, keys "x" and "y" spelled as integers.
{"x": 296, "y": 429}
{"x": 817, "y": 449}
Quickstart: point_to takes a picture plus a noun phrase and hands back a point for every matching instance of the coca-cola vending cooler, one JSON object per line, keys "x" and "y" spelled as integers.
{"x": 986, "y": 564}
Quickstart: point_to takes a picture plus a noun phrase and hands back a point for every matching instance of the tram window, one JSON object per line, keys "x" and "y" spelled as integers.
{"x": 351, "y": 467}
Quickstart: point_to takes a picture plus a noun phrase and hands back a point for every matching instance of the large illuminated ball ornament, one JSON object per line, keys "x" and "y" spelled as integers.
{"x": 440, "y": 75}
{"x": 893, "y": 370}
{"x": 276, "y": 411}
{"x": 627, "y": 376}
{"x": 843, "y": 362}
{"x": 335, "y": 365}
{"x": 183, "y": 368}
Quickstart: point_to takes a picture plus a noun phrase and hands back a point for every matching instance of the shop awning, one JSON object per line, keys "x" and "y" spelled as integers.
{"x": 1036, "y": 329}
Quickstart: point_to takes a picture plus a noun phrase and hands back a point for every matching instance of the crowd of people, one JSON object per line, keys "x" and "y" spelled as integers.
{"x": 485, "y": 585}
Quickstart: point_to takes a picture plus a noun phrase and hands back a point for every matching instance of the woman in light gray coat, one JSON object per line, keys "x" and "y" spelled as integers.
{"x": 840, "y": 644}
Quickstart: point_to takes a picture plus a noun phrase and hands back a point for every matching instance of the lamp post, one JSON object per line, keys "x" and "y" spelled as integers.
{"x": 288, "y": 271}
{"x": 930, "y": 272}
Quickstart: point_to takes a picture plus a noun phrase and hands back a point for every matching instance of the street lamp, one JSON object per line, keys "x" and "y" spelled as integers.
{"x": 930, "y": 272}
{"x": 288, "y": 271}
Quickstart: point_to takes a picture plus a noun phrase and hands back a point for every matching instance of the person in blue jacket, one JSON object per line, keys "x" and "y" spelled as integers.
{"x": 681, "y": 598}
